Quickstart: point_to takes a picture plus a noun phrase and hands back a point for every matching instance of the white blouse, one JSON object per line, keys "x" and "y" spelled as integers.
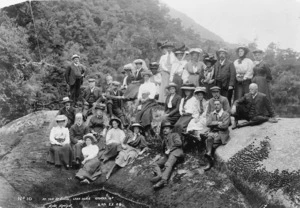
{"x": 147, "y": 87}
{"x": 177, "y": 68}
{"x": 90, "y": 152}
{"x": 115, "y": 136}
{"x": 163, "y": 61}
{"x": 59, "y": 133}
{"x": 191, "y": 106}
{"x": 244, "y": 70}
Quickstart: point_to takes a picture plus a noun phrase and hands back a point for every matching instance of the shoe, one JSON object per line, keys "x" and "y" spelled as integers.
{"x": 155, "y": 179}
{"x": 210, "y": 162}
{"x": 160, "y": 184}
{"x": 85, "y": 181}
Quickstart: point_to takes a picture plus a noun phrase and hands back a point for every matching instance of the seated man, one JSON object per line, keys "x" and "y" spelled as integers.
{"x": 172, "y": 147}
{"x": 92, "y": 95}
{"x": 77, "y": 131}
{"x": 218, "y": 121}
{"x": 215, "y": 91}
{"x": 254, "y": 107}
{"x": 68, "y": 111}
{"x": 115, "y": 105}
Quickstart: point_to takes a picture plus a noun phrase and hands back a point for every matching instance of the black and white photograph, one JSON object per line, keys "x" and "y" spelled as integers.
{"x": 149, "y": 103}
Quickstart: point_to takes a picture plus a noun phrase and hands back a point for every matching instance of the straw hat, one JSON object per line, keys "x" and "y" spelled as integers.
{"x": 75, "y": 56}
{"x": 117, "y": 120}
{"x": 245, "y": 48}
{"x": 215, "y": 89}
{"x": 200, "y": 89}
{"x": 188, "y": 86}
{"x": 66, "y": 100}
{"x": 136, "y": 125}
{"x": 60, "y": 118}
{"x": 90, "y": 136}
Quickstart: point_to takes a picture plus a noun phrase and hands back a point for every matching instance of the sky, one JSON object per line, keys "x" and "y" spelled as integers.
{"x": 239, "y": 21}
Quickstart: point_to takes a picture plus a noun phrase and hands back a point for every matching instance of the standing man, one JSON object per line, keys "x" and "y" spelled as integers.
{"x": 218, "y": 121}
{"x": 68, "y": 111}
{"x": 172, "y": 147}
{"x": 225, "y": 74}
{"x": 74, "y": 77}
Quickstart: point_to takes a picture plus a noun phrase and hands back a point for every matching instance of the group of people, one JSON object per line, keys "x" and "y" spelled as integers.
{"x": 199, "y": 100}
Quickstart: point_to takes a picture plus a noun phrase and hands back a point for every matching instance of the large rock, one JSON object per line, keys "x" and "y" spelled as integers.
{"x": 24, "y": 147}
{"x": 263, "y": 163}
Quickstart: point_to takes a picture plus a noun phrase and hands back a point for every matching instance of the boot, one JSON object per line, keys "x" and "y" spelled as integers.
{"x": 210, "y": 163}
{"x": 160, "y": 184}
{"x": 209, "y": 146}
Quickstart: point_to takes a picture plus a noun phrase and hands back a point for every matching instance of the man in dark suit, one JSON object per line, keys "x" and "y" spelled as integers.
{"x": 74, "y": 77}
{"x": 254, "y": 107}
{"x": 172, "y": 104}
{"x": 225, "y": 74}
{"x": 92, "y": 94}
{"x": 68, "y": 111}
{"x": 172, "y": 151}
{"x": 218, "y": 121}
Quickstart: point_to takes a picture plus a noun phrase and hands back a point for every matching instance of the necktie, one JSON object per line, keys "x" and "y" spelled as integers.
{"x": 201, "y": 107}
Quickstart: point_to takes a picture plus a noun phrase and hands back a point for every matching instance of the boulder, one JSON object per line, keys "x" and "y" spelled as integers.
{"x": 262, "y": 161}
{"x": 24, "y": 147}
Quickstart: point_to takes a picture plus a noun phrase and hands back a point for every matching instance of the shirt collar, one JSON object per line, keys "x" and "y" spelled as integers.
{"x": 220, "y": 113}
{"x": 253, "y": 96}
{"x": 222, "y": 62}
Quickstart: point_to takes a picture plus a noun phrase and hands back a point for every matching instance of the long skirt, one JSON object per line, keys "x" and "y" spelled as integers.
{"x": 165, "y": 77}
{"x": 60, "y": 155}
{"x": 182, "y": 124}
{"x": 126, "y": 156}
{"x": 194, "y": 78}
{"x": 263, "y": 85}
{"x": 91, "y": 170}
{"x": 178, "y": 80}
{"x": 132, "y": 91}
{"x": 144, "y": 117}
{"x": 197, "y": 124}
{"x": 111, "y": 151}
{"x": 241, "y": 88}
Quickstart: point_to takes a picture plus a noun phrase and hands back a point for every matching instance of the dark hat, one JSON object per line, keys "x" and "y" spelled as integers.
{"x": 258, "y": 51}
{"x": 215, "y": 88}
{"x": 117, "y": 120}
{"x": 245, "y": 48}
{"x": 200, "y": 89}
{"x": 166, "y": 124}
{"x": 172, "y": 84}
{"x": 221, "y": 50}
{"x": 167, "y": 44}
{"x": 136, "y": 125}
{"x": 147, "y": 72}
{"x": 90, "y": 136}
{"x": 154, "y": 65}
{"x": 92, "y": 80}
{"x": 66, "y": 100}
{"x": 188, "y": 86}
{"x": 75, "y": 56}
{"x": 60, "y": 118}
{"x": 212, "y": 60}
{"x": 100, "y": 106}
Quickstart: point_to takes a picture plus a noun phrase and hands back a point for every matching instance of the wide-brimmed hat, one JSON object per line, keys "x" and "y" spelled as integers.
{"x": 245, "y": 48}
{"x": 154, "y": 65}
{"x": 147, "y": 72}
{"x": 221, "y": 50}
{"x": 215, "y": 88}
{"x": 188, "y": 86}
{"x": 172, "y": 84}
{"x": 90, "y": 136}
{"x": 116, "y": 83}
{"x": 166, "y": 124}
{"x": 212, "y": 60}
{"x": 91, "y": 80}
{"x": 66, "y": 100}
{"x": 75, "y": 56}
{"x": 117, "y": 120}
{"x": 257, "y": 51}
{"x": 200, "y": 89}
{"x": 167, "y": 44}
{"x": 60, "y": 118}
{"x": 128, "y": 67}
{"x": 196, "y": 50}
{"x": 100, "y": 106}
{"x": 136, "y": 125}
{"x": 179, "y": 52}
{"x": 137, "y": 61}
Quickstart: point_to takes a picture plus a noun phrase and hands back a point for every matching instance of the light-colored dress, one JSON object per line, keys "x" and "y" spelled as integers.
{"x": 147, "y": 87}
{"x": 198, "y": 123}
{"x": 195, "y": 70}
{"x": 114, "y": 140}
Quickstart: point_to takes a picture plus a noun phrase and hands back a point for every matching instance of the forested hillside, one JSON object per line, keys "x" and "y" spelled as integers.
{"x": 106, "y": 34}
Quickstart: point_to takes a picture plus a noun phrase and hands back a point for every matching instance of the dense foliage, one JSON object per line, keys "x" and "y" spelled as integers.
{"x": 106, "y": 34}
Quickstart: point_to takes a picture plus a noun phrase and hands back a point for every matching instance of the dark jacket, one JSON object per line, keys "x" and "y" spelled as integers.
{"x": 222, "y": 129}
{"x": 97, "y": 94}
{"x": 115, "y": 99}
{"x": 74, "y": 72}
{"x": 138, "y": 77}
{"x": 70, "y": 114}
{"x": 174, "y": 111}
{"x": 173, "y": 142}
{"x": 77, "y": 132}
{"x": 225, "y": 74}
{"x": 260, "y": 104}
